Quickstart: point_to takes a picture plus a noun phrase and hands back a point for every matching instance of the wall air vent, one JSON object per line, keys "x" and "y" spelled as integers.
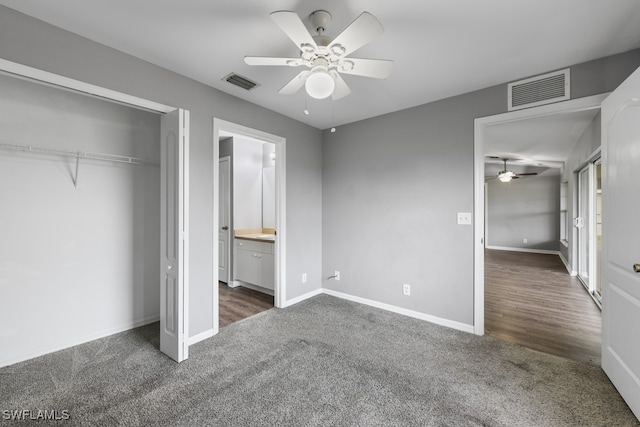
{"x": 539, "y": 90}
{"x": 240, "y": 81}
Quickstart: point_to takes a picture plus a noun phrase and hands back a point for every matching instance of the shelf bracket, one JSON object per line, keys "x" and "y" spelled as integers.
{"x": 75, "y": 177}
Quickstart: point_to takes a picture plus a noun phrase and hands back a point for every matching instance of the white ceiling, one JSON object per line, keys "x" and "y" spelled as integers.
{"x": 535, "y": 144}
{"x": 441, "y": 48}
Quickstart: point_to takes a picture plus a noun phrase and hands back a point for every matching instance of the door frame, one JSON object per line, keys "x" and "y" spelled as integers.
{"x": 281, "y": 206}
{"x": 480, "y": 124}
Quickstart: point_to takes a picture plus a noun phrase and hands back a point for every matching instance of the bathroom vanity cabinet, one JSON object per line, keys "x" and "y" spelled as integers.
{"x": 255, "y": 263}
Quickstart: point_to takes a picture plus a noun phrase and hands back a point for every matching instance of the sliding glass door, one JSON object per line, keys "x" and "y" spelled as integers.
{"x": 597, "y": 176}
{"x": 589, "y": 225}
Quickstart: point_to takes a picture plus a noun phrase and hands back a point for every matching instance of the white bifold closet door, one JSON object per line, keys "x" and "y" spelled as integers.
{"x": 174, "y": 235}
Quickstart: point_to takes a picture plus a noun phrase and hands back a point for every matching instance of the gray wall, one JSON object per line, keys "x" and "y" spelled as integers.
{"x": 588, "y": 143}
{"x": 32, "y": 42}
{"x": 525, "y": 208}
{"x": 392, "y": 186}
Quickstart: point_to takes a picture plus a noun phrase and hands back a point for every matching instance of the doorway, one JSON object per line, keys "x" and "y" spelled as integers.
{"x": 268, "y": 262}
{"x": 481, "y": 125}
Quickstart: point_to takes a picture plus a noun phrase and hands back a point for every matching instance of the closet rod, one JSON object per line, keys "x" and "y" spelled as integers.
{"x": 76, "y": 154}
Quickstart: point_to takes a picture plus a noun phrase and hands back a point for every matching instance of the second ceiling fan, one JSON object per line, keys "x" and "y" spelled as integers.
{"x": 326, "y": 59}
{"x": 507, "y": 175}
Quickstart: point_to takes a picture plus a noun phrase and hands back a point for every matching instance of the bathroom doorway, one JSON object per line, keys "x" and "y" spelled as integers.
{"x": 249, "y": 235}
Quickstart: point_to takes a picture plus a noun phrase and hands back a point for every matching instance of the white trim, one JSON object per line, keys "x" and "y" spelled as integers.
{"x": 78, "y": 341}
{"x": 281, "y": 206}
{"x": 201, "y": 337}
{"x": 405, "y": 312}
{"x": 529, "y": 250}
{"x": 581, "y": 104}
{"x": 303, "y": 297}
{"x": 571, "y": 272}
{"x": 45, "y": 77}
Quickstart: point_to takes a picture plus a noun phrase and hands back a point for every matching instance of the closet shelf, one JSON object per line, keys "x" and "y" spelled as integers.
{"x": 76, "y": 154}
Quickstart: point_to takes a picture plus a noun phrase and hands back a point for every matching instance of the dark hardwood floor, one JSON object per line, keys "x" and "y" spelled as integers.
{"x": 240, "y": 303}
{"x": 531, "y": 300}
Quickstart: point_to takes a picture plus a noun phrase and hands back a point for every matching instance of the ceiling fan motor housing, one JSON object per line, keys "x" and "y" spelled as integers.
{"x": 320, "y": 20}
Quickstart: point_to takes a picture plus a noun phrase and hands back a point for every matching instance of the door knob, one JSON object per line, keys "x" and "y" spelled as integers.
{"x": 636, "y": 267}
{"x": 224, "y": 227}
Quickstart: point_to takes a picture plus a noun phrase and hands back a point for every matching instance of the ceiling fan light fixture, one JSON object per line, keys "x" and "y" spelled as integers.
{"x": 506, "y": 176}
{"x": 320, "y": 84}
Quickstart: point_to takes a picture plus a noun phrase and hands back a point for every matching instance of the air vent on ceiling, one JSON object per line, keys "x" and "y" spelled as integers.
{"x": 240, "y": 81}
{"x": 540, "y": 90}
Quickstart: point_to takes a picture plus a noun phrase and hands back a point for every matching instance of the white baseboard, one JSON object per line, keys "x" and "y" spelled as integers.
{"x": 566, "y": 264}
{"x": 201, "y": 336}
{"x": 71, "y": 343}
{"x": 415, "y": 314}
{"x": 296, "y": 300}
{"x": 533, "y": 251}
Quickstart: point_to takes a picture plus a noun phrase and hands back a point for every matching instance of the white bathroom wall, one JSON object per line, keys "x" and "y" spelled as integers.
{"x": 75, "y": 264}
{"x": 247, "y": 183}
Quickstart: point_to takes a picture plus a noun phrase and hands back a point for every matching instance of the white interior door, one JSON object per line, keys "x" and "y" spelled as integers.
{"x": 621, "y": 240}
{"x": 174, "y": 232}
{"x": 224, "y": 237}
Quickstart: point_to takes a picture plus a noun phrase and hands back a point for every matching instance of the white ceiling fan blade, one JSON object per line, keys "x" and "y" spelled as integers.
{"x": 376, "y": 68}
{"x": 292, "y": 25}
{"x": 269, "y": 60}
{"x": 361, "y": 31}
{"x": 341, "y": 89}
{"x": 295, "y": 83}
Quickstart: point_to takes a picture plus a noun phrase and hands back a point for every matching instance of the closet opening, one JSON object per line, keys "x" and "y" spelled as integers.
{"x": 81, "y": 169}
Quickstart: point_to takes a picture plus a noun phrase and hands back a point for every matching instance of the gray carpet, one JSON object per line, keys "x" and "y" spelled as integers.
{"x": 323, "y": 362}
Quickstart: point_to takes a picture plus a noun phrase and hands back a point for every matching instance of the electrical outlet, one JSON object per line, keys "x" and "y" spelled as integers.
{"x": 464, "y": 218}
{"x": 406, "y": 289}
{"x": 337, "y": 274}
{"x": 304, "y": 277}
{"x": 525, "y": 241}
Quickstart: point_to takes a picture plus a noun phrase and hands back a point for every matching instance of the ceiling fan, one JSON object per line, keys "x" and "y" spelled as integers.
{"x": 326, "y": 59}
{"x": 507, "y": 175}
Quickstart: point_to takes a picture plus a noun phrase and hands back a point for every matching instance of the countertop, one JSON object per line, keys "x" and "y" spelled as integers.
{"x": 268, "y": 238}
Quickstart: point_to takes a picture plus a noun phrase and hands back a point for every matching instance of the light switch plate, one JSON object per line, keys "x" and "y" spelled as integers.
{"x": 464, "y": 218}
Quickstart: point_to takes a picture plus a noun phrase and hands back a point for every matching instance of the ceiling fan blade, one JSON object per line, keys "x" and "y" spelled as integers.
{"x": 527, "y": 174}
{"x": 376, "y": 68}
{"x": 361, "y": 31}
{"x": 292, "y": 25}
{"x": 268, "y": 60}
{"x": 341, "y": 90}
{"x": 295, "y": 83}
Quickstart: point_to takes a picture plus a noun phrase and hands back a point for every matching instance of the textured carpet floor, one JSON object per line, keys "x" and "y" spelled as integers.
{"x": 324, "y": 362}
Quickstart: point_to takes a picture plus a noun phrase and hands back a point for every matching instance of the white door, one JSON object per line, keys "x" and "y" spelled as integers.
{"x": 174, "y": 200}
{"x": 224, "y": 187}
{"x": 621, "y": 239}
